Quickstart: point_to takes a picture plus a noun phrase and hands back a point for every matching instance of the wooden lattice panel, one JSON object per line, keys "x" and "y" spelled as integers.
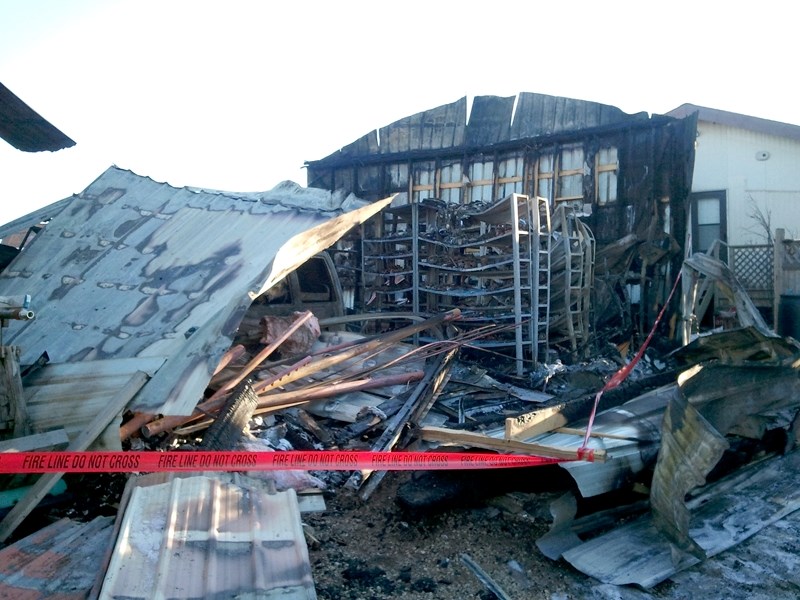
{"x": 752, "y": 265}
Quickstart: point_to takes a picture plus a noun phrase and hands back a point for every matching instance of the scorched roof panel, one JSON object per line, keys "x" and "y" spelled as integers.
{"x": 132, "y": 267}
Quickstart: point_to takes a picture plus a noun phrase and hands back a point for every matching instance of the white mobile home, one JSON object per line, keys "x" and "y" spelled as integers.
{"x": 745, "y": 175}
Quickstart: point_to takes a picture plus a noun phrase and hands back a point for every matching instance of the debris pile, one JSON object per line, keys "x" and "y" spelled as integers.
{"x": 692, "y": 453}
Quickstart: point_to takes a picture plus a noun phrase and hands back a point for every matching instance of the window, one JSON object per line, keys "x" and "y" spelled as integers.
{"x": 398, "y": 177}
{"x": 607, "y": 166}
{"x": 450, "y": 182}
{"x": 570, "y": 174}
{"x": 481, "y": 174}
{"x": 509, "y": 176}
{"x": 424, "y": 177}
{"x": 545, "y": 169}
{"x": 708, "y": 219}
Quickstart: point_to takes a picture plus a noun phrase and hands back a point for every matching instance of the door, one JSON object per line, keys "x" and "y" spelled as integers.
{"x": 709, "y": 220}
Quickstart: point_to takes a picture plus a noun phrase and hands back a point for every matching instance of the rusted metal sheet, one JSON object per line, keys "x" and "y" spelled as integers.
{"x": 134, "y": 268}
{"x": 58, "y": 562}
{"x": 201, "y": 538}
{"x": 25, "y": 129}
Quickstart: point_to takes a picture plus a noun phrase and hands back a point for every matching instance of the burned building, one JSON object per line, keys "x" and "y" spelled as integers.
{"x": 627, "y": 177}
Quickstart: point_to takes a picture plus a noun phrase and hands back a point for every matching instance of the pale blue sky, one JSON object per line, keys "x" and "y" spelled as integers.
{"x": 236, "y": 95}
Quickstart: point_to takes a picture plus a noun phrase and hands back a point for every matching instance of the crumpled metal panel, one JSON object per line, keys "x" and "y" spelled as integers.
{"x": 638, "y": 420}
{"x": 201, "y": 538}
{"x": 690, "y": 447}
{"x": 728, "y": 512}
{"x": 132, "y": 267}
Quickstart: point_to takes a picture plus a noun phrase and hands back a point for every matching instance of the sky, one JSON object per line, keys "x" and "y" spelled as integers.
{"x": 238, "y": 95}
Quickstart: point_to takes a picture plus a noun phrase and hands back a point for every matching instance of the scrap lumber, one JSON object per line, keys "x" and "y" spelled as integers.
{"x": 13, "y": 408}
{"x": 413, "y": 411}
{"x": 484, "y": 578}
{"x": 270, "y": 403}
{"x": 473, "y": 439}
{"x": 326, "y": 361}
{"x": 39, "y": 490}
{"x": 549, "y": 418}
{"x": 52, "y": 440}
{"x": 217, "y": 399}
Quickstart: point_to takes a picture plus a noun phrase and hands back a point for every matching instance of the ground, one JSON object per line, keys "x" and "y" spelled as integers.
{"x": 380, "y": 548}
{"x": 408, "y": 540}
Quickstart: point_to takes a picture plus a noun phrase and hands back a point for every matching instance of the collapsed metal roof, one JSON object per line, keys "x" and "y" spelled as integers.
{"x": 135, "y": 268}
{"x": 25, "y": 129}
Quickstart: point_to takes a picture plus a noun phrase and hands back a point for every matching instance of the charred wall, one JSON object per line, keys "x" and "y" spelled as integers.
{"x": 630, "y": 174}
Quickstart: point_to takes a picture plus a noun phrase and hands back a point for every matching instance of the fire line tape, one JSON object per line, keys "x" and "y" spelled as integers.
{"x": 318, "y": 460}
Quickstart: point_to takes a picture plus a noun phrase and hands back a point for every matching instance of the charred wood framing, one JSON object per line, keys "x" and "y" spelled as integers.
{"x": 646, "y": 160}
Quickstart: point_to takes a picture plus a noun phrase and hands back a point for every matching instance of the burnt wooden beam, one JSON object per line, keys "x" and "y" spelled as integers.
{"x": 417, "y": 405}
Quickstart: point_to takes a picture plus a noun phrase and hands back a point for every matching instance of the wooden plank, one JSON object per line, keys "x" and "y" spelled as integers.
{"x": 43, "y": 485}
{"x": 12, "y": 389}
{"x": 535, "y": 422}
{"x": 413, "y": 411}
{"x": 479, "y": 440}
{"x": 56, "y": 439}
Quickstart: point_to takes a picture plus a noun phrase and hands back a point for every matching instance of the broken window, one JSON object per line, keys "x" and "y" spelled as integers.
{"x": 606, "y": 175}
{"x": 545, "y": 170}
{"x": 450, "y": 182}
{"x": 481, "y": 174}
{"x": 369, "y": 178}
{"x": 510, "y": 176}
{"x": 398, "y": 177}
{"x": 424, "y": 177}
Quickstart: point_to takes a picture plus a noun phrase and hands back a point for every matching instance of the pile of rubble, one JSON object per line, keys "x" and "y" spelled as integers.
{"x": 145, "y": 342}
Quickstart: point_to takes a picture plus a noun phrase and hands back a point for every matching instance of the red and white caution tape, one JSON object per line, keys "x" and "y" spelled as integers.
{"x": 323, "y": 460}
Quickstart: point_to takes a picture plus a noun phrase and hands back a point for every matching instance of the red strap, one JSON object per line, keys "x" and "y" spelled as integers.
{"x": 623, "y": 373}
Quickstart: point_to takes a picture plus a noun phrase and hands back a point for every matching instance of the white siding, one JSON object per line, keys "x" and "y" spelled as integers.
{"x": 726, "y": 160}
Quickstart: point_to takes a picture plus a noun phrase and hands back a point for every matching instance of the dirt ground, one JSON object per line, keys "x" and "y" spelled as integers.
{"x": 383, "y": 548}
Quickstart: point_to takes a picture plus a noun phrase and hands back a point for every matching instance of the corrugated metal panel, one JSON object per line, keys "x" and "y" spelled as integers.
{"x": 70, "y": 395}
{"x": 201, "y": 538}
{"x": 132, "y": 267}
{"x": 728, "y": 512}
{"x": 58, "y": 562}
{"x": 25, "y": 129}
